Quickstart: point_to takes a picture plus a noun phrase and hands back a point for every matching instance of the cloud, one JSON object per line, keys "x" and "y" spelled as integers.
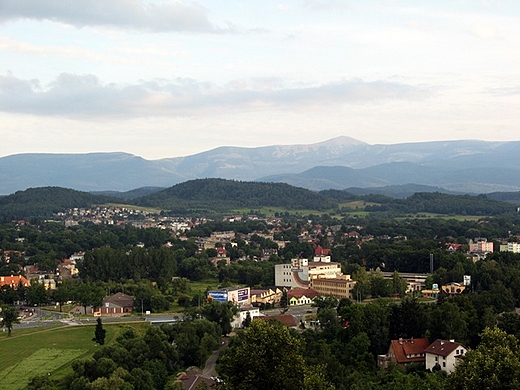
{"x": 85, "y": 96}
{"x": 128, "y": 14}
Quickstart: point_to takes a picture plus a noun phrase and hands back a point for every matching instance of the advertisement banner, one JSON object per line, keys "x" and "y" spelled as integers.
{"x": 243, "y": 295}
{"x": 220, "y": 296}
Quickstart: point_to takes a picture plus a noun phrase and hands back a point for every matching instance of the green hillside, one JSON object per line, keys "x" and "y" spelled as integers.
{"x": 220, "y": 194}
{"x": 45, "y": 201}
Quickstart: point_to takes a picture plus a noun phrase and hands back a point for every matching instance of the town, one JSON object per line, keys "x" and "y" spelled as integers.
{"x": 416, "y": 291}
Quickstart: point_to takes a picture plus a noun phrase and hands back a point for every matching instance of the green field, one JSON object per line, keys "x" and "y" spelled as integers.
{"x": 43, "y": 361}
{"x": 33, "y": 352}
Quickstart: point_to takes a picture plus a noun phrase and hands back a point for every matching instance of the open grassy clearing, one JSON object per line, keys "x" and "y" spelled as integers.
{"x": 73, "y": 342}
{"x": 43, "y": 361}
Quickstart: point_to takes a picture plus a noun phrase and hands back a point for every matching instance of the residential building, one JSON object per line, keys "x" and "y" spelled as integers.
{"x": 510, "y": 247}
{"x": 301, "y": 296}
{"x": 300, "y": 272}
{"x": 322, "y": 254}
{"x": 404, "y": 351}
{"x": 287, "y": 319}
{"x": 240, "y": 317}
{"x": 117, "y": 305}
{"x": 445, "y": 354}
{"x": 14, "y": 281}
{"x": 271, "y": 296}
{"x": 481, "y": 245}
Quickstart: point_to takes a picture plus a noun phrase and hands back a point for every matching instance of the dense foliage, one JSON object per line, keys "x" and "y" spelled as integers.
{"x": 220, "y": 194}
{"x": 45, "y": 201}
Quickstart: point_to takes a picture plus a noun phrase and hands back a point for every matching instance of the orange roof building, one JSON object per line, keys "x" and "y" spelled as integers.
{"x": 405, "y": 351}
{"x": 13, "y": 281}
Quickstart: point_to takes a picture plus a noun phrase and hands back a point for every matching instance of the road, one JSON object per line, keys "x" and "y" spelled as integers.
{"x": 209, "y": 369}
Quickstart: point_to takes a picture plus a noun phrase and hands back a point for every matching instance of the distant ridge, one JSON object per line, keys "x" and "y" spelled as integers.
{"x": 465, "y": 166}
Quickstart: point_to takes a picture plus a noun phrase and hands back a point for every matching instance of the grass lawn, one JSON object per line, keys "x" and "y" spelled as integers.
{"x": 43, "y": 361}
{"x": 37, "y": 351}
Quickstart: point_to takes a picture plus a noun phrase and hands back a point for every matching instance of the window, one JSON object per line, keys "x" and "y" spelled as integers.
{"x": 444, "y": 364}
{"x": 436, "y": 358}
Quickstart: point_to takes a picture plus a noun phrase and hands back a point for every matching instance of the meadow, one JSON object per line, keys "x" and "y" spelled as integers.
{"x": 48, "y": 351}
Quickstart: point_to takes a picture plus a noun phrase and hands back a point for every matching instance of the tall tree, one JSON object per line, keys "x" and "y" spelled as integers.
{"x": 9, "y": 317}
{"x": 493, "y": 365}
{"x": 99, "y": 332}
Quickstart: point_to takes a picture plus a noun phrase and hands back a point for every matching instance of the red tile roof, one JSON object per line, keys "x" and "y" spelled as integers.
{"x": 287, "y": 319}
{"x": 13, "y": 281}
{"x": 409, "y": 350}
{"x": 300, "y": 292}
{"x": 442, "y": 347}
{"x": 319, "y": 251}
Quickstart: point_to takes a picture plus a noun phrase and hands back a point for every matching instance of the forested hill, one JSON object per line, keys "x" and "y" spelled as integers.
{"x": 220, "y": 194}
{"x": 428, "y": 202}
{"x": 45, "y": 201}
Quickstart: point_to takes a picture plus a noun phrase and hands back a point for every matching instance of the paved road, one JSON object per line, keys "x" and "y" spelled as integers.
{"x": 209, "y": 369}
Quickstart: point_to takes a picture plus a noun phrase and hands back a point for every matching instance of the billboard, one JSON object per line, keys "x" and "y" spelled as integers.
{"x": 243, "y": 295}
{"x": 220, "y": 296}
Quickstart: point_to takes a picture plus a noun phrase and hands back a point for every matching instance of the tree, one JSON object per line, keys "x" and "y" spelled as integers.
{"x": 221, "y": 313}
{"x": 284, "y": 300}
{"x": 494, "y": 364}
{"x": 99, "y": 333}
{"x": 264, "y": 356}
{"x": 37, "y": 294}
{"x": 399, "y": 285}
{"x": 9, "y": 317}
{"x": 247, "y": 320}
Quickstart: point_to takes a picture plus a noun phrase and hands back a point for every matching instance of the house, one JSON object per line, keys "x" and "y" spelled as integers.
{"x": 117, "y": 305}
{"x": 453, "y": 247}
{"x": 445, "y": 354}
{"x": 195, "y": 381}
{"x": 240, "y": 317}
{"x": 287, "y": 319}
{"x": 13, "y": 281}
{"x": 404, "y": 351}
{"x": 261, "y": 297}
{"x": 301, "y": 296}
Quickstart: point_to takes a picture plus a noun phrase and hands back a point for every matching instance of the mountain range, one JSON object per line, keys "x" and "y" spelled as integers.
{"x": 463, "y": 166}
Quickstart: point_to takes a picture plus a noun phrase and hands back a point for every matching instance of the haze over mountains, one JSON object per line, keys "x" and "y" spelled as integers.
{"x": 465, "y": 166}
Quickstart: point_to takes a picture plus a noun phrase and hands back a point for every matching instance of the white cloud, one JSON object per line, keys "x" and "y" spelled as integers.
{"x": 86, "y": 96}
{"x": 130, "y": 14}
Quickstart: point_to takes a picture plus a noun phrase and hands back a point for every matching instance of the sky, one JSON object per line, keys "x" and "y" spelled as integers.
{"x": 168, "y": 78}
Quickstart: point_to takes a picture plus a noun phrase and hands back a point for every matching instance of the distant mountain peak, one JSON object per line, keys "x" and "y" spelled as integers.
{"x": 333, "y": 146}
{"x": 342, "y": 140}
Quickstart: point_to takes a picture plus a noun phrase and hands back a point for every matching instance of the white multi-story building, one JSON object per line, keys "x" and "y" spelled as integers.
{"x": 300, "y": 272}
{"x": 510, "y": 247}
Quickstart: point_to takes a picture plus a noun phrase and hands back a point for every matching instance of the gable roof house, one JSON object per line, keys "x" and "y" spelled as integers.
{"x": 117, "y": 305}
{"x": 13, "y": 281}
{"x": 301, "y": 296}
{"x": 287, "y": 319}
{"x": 445, "y": 353}
{"x": 404, "y": 351}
